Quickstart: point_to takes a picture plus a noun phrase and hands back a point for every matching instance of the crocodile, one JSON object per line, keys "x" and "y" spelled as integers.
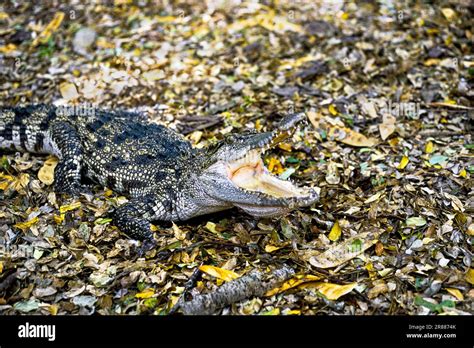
{"x": 164, "y": 177}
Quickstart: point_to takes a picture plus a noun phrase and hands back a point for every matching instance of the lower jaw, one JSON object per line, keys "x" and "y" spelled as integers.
{"x": 258, "y": 179}
{"x": 263, "y": 211}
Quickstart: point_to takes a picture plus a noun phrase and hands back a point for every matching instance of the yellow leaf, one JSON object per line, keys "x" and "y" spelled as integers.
{"x": 59, "y": 218}
{"x": 370, "y": 268}
{"x": 448, "y": 13}
{"x": 5, "y": 181}
{"x": 147, "y": 293}
{"x": 46, "y": 173}
{"x": 348, "y": 136}
{"x": 275, "y": 311}
{"x": 285, "y": 146}
{"x": 26, "y": 225}
{"x": 456, "y": 293}
{"x": 53, "y": 309}
{"x": 345, "y": 16}
{"x": 431, "y": 61}
{"x": 470, "y": 229}
{"x": 72, "y": 206}
{"x": 68, "y": 91}
{"x": 293, "y": 312}
{"x": 220, "y": 273}
{"x": 429, "y": 147}
{"x": 166, "y": 19}
{"x": 20, "y": 182}
{"x": 463, "y": 173}
{"x": 339, "y": 253}
{"x": 332, "y": 110}
{"x": 7, "y": 48}
{"x": 153, "y": 228}
{"x": 293, "y": 282}
{"x": 295, "y": 63}
{"x": 332, "y": 291}
{"x": 403, "y": 162}
{"x": 270, "y": 248}
{"x": 1, "y": 267}
{"x": 3, "y": 16}
{"x": 335, "y": 232}
{"x": 196, "y": 136}
{"x": 275, "y": 166}
{"x": 104, "y": 43}
{"x": 211, "y": 227}
{"x": 470, "y": 276}
{"x": 50, "y": 29}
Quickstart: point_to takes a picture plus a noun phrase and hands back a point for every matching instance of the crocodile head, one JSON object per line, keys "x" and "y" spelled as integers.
{"x": 233, "y": 174}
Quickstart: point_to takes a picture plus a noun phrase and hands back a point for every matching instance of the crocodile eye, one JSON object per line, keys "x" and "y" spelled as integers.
{"x": 231, "y": 138}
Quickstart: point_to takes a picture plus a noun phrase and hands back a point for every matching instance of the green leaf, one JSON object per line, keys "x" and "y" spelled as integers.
{"x": 26, "y": 306}
{"x": 292, "y": 160}
{"x": 434, "y": 307}
{"x": 420, "y": 301}
{"x": 151, "y": 302}
{"x": 4, "y": 163}
{"x": 103, "y": 221}
{"x": 287, "y": 173}
{"x": 355, "y": 246}
{"x": 448, "y": 303}
{"x": 286, "y": 229}
{"x": 323, "y": 134}
{"x": 141, "y": 286}
{"x": 438, "y": 159}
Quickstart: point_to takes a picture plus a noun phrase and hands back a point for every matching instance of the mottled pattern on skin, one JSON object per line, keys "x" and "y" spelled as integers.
{"x": 162, "y": 174}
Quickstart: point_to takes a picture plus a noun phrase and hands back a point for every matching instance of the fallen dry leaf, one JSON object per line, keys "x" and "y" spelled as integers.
{"x": 219, "y": 273}
{"x": 348, "y": 136}
{"x": 46, "y": 172}
{"x": 345, "y": 251}
{"x": 331, "y": 291}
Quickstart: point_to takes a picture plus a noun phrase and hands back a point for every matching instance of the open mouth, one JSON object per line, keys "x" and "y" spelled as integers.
{"x": 251, "y": 174}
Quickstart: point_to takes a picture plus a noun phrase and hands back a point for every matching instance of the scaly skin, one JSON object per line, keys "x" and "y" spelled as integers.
{"x": 162, "y": 174}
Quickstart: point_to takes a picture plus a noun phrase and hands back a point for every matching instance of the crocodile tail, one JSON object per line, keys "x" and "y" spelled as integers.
{"x": 25, "y": 128}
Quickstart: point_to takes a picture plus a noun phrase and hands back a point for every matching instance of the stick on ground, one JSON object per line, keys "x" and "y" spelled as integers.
{"x": 255, "y": 283}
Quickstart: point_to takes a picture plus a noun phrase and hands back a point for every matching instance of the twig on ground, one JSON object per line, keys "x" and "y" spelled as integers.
{"x": 255, "y": 283}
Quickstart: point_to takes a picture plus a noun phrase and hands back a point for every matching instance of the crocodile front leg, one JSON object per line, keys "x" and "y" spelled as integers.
{"x": 65, "y": 144}
{"x": 134, "y": 218}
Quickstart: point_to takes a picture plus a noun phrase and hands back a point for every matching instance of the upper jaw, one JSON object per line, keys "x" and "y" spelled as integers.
{"x": 263, "y": 141}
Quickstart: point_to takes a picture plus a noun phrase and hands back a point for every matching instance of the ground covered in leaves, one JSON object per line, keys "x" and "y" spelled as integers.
{"x": 388, "y": 93}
